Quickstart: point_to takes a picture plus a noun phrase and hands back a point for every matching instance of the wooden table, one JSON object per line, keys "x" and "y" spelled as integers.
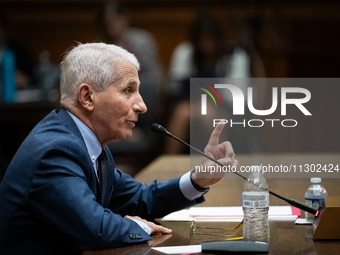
{"x": 285, "y": 237}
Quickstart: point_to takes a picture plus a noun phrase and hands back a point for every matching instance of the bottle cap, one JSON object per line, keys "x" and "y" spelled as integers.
{"x": 315, "y": 180}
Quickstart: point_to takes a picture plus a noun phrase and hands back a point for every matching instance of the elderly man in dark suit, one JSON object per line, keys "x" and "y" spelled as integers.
{"x": 62, "y": 194}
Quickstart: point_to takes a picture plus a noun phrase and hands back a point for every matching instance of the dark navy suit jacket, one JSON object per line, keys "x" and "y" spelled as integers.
{"x": 48, "y": 196}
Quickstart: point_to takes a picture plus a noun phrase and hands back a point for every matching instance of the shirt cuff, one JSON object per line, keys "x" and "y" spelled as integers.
{"x": 188, "y": 190}
{"x": 143, "y": 225}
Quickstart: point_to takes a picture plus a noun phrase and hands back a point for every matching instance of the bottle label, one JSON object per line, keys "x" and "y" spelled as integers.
{"x": 315, "y": 203}
{"x": 255, "y": 199}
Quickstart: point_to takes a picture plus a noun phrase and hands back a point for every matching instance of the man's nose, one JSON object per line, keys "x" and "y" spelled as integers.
{"x": 140, "y": 106}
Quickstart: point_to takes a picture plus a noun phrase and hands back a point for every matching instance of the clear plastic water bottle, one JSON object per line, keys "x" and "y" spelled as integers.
{"x": 255, "y": 202}
{"x": 315, "y": 197}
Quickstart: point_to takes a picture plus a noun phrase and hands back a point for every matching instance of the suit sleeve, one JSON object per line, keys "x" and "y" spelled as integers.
{"x": 61, "y": 198}
{"x": 148, "y": 201}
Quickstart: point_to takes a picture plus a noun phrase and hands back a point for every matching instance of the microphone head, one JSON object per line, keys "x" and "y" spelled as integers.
{"x": 159, "y": 129}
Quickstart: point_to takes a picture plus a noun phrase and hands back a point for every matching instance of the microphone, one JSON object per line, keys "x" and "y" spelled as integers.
{"x": 162, "y": 131}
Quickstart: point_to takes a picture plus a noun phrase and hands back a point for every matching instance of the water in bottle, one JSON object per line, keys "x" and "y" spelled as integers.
{"x": 255, "y": 203}
{"x": 315, "y": 197}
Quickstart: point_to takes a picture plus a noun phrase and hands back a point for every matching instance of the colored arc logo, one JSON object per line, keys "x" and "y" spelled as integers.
{"x": 209, "y": 93}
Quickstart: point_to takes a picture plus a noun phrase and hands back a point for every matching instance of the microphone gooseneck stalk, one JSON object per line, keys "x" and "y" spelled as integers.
{"x": 162, "y": 131}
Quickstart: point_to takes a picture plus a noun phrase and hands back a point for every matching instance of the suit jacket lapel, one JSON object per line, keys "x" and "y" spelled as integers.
{"x": 74, "y": 129}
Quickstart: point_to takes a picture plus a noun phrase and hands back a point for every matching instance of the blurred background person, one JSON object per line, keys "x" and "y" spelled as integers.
{"x": 16, "y": 65}
{"x": 16, "y": 74}
{"x": 114, "y": 28}
{"x": 207, "y": 54}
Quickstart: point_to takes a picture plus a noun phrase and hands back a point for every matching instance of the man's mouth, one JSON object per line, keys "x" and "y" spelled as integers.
{"x": 132, "y": 123}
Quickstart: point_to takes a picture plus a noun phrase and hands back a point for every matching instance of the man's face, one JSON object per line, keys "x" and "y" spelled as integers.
{"x": 117, "y": 108}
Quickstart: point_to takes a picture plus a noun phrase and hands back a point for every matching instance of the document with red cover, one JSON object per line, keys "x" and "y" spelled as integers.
{"x": 275, "y": 212}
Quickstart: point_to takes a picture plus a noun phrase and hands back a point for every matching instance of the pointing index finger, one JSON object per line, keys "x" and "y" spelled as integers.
{"x": 215, "y": 135}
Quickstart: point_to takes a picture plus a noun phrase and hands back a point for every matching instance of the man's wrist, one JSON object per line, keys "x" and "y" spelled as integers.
{"x": 188, "y": 189}
{"x": 143, "y": 225}
{"x": 196, "y": 186}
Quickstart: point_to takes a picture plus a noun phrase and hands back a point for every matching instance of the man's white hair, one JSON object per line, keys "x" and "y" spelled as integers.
{"x": 95, "y": 64}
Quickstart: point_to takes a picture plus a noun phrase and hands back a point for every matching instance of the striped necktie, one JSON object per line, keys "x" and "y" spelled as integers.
{"x": 102, "y": 176}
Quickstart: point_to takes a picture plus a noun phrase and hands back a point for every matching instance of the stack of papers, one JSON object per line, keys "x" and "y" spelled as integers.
{"x": 185, "y": 249}
{"x": 231, "y": 213}
{"x": 281, "y": 213}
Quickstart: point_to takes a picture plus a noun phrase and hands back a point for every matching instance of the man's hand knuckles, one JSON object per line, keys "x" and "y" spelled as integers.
{"x": 230, "y": 155}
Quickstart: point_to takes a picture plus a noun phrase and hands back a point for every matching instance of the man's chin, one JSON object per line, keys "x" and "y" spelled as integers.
{"x": 128, "y": 135}
{"x": 136, "y": 135}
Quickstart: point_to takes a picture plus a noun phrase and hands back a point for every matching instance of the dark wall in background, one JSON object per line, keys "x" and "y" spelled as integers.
{"x": 294, "y": 38}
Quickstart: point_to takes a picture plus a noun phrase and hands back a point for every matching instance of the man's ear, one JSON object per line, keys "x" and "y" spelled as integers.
{"x": 85, "y": 96}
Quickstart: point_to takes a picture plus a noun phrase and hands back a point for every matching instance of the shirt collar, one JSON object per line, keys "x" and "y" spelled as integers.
{"x": 92, "y": 143}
